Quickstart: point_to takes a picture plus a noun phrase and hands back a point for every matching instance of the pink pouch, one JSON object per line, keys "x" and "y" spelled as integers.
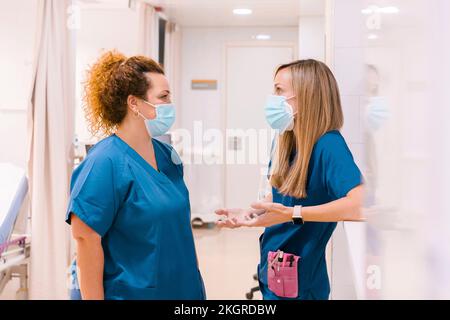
{"x": 282, "y": 274}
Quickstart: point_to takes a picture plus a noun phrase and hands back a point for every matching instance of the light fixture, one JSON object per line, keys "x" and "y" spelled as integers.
{"x": 262, "y": 37}
{"x": 375, "y": 9}
{"x": 242, "y": 11}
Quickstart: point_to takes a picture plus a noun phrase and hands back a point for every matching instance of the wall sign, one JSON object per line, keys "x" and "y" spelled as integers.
{"x": 204, "y": 84}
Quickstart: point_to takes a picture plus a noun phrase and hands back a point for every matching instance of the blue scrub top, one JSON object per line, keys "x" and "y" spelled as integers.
{"x": 143, "y": 217}
{"x": 332, "y": 173}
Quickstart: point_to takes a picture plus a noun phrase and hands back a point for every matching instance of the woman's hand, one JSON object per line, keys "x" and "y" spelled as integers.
{"x": 234, "y": 218}
{"x": 275, "y": 213}
{"x": 348, "y": 208}
{"x": 262, "y": 214}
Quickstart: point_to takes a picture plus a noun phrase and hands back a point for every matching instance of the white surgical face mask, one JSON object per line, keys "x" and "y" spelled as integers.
{"x": 279, "y": 113}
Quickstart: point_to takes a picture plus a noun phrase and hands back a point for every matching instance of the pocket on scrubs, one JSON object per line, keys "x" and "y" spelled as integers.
{"x": 122, "y": 291}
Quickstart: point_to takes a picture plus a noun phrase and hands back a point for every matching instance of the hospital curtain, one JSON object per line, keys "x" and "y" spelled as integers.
{"x": 50, "y": 132}
{"x": 148, "y": 30}
{"x": 172, "y": 62}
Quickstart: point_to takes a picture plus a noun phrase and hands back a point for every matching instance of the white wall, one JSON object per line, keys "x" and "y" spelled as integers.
{"x": 406, "y": 237}
{"x": 17, "y": 25}
{"x": 203, "y": 57}
{"x": 311, "y": 34}
{"x": 437, "y": 236}
{"x": 411, "y": 54}
{"x": 101, "y": 29}
{"x": 345, "y": 56}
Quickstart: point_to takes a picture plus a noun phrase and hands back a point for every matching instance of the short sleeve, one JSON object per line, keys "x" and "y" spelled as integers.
{"x": 176, "y": 160}
{"x": 341, "y": 173}
{"x": 92, "y": 196}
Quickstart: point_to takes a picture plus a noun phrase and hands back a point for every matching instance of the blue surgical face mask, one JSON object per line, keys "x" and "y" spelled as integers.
{"x": 279, "y": 113}
{"x": 165, "y": 117}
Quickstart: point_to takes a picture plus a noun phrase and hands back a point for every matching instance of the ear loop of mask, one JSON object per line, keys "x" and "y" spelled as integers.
{"x": 293, "y": 113}
{"x": 290, "y": 97}
{"x": 149, "y": 103}
{"x": 138, "y": 113}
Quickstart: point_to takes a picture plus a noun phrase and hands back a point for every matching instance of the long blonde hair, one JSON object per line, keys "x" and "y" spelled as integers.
{"x": 318, "y": 111}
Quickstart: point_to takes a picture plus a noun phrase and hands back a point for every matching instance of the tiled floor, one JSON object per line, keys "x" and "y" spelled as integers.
{"x": 228, "y": 261}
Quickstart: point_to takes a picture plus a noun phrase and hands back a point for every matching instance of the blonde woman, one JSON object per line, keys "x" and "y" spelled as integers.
{"x": 315, "y": 183}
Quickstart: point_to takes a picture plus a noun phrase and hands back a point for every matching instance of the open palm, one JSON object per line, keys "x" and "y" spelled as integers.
{"x": 234, "y": 218}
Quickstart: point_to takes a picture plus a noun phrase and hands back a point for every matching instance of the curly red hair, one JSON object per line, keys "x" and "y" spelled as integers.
{"x": 110, "y": 80}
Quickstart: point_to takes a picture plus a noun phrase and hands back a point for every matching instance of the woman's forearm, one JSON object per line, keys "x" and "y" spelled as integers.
{"x": 347, "y": 208}
{"x": 90, "y": 261}
{"x": 339, "y": 210}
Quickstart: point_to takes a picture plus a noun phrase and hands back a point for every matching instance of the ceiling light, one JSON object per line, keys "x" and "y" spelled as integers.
{"x": 242, "y": 11}
{"x": 262, "y": 37}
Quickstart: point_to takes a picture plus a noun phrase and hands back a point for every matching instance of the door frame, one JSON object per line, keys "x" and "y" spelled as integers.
{"x": 249, "y": 44}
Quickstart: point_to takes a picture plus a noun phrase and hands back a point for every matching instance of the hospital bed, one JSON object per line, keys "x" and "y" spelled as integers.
{"x": 14, "y": 248}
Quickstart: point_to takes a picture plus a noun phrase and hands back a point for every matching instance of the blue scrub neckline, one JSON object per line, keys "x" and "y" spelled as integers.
{"x": 158, "y": 174}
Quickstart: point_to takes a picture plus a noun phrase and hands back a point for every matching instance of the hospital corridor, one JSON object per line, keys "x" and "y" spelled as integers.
{"x": 224, "y": 150}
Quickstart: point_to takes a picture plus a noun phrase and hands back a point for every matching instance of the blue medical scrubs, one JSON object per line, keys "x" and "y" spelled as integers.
{"x": 143, "y": 217}
{"x": 332, "y": 173}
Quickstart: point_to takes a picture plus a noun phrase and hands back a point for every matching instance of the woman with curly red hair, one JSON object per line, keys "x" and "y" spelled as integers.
{"x": 129, "y": 206}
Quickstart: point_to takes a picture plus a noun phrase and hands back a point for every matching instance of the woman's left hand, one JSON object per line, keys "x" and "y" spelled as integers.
{"x": 275, "y": 213}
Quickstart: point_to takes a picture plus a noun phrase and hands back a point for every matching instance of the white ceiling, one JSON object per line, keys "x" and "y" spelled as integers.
{"x": 103, "y": 4}
{"x": 219, "y": 12}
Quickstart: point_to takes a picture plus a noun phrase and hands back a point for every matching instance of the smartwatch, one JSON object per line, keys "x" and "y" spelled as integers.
{"x": 297, "y": 215}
